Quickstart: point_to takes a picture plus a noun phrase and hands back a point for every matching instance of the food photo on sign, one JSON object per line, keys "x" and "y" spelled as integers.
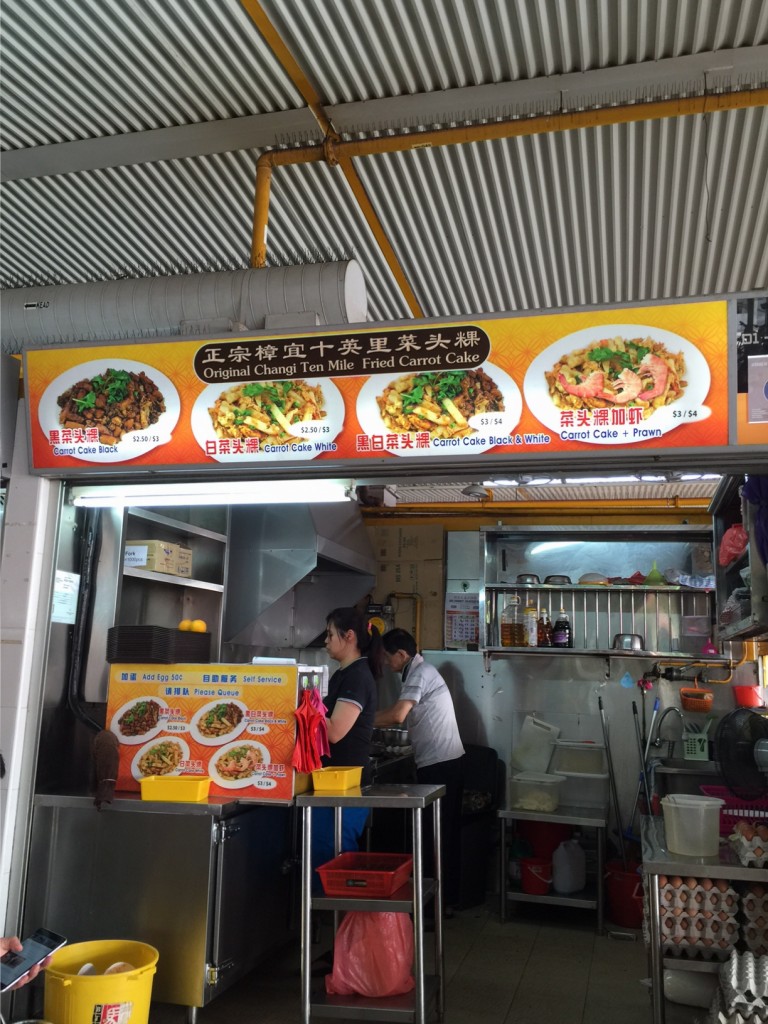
{"x": 651, "y": 376}
{"x": 106, "y": 410}
{"x": 618, "y": 384}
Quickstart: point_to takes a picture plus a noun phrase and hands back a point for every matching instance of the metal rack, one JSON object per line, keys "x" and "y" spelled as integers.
{"x": 582, "y": 817}
{"x": 598, "y": 613}
{"x": 410, "y": 898}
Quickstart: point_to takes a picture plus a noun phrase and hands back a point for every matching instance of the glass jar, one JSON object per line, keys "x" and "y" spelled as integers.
{"x": 530, "y": 621}
{"x": 512, "y": 629}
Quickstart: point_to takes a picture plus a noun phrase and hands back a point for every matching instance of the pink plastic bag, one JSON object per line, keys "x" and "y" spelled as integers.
{"x": 372, "y": 955}
{"x": 733, "y": 544}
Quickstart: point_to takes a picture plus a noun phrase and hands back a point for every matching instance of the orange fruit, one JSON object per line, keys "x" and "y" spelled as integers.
{"x": 199, "y": 626}
{"x": 186, "y": 625}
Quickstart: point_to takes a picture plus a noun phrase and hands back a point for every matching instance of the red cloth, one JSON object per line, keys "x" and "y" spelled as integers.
{"x": 311, "y": 732}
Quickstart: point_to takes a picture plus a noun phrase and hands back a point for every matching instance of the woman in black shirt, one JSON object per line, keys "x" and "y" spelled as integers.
{"x": 351, "y": 705}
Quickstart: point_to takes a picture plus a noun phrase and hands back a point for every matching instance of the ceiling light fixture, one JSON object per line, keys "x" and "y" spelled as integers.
{"x": 475, "y": 491}
{"x": 238, "y": 492}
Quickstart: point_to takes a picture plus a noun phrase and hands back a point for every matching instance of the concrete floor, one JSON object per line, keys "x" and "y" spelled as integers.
{"x": 544, "y": 965}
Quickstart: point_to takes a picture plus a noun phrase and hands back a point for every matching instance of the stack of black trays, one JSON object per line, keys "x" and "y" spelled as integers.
{"x": 157, "y": 644}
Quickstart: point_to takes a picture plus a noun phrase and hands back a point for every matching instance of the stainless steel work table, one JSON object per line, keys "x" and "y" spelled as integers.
{"x": 581, "y": 817}
{"x": 410, "y": 898}
{"x": 657, "y": 860}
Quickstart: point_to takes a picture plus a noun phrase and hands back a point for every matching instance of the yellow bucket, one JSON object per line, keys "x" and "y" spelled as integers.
{"x": 100, "y": 998}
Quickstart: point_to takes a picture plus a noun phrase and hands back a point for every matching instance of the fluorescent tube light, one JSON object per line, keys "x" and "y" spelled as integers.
{"x": 238, "y": 492}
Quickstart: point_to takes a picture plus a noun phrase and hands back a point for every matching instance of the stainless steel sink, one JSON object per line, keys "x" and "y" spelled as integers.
{"x": 679, "y": 775}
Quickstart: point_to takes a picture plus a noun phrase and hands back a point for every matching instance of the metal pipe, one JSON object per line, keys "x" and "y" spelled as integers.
{"x": 416, "y": 598}
{"x": 336, "y": 152}
{"x": 612, "y": 781}
{"x": 643, "y": 776}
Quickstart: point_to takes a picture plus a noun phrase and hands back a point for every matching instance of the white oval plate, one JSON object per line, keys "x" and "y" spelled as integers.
{"x": 148, "y": 746}
{"x": 326, "y": 429}
{"x": 217, "y": 741}
{"x": 499, "y": 425}
{"x": 697, "y": 374}
{"x": 151, "y": 733}
{"x": 130, "y": 445}
{"x": 226, "y": 783}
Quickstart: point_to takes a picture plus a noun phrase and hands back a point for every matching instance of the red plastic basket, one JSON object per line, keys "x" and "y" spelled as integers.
{"x": 365, "y": 874}
{"x": 734, "y": 808}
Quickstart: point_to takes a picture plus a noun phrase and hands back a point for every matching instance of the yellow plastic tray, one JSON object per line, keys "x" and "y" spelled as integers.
{"x": 336, "y": 778}
{"x": 175, "y": 788}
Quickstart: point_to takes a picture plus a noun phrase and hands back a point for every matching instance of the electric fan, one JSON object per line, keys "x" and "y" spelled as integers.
{"x": 741, "y": 750}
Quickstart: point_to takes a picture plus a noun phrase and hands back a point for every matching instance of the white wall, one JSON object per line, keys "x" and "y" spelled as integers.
{"x": 25, "y": 586}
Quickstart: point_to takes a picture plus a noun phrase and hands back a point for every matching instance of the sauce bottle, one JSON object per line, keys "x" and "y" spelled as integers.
{"x": 530, "y": 625}
{"x": 512, "y": 631}
{"x": 561, "y": 631}
{"x": 544, "y": 630}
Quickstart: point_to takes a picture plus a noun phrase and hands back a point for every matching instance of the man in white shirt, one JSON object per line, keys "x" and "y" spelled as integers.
{"x": 426, "y": 706}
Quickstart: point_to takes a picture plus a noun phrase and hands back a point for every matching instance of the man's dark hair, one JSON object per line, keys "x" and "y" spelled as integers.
{"x": 399, "y": 640}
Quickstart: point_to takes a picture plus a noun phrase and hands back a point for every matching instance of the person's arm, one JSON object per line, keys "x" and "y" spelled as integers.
{"x": 344, "y": 716}
{"x": 395, "y": 715}
{"x": 11, "y": 944}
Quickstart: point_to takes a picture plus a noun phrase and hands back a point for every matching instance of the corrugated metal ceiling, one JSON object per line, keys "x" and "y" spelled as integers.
{"x": 97, "y": 92}
{"x": 131, "y": 131}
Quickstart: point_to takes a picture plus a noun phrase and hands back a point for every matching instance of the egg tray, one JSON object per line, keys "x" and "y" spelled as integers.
{"x": 755, "y": 904}
{"x": 755, "y": 939}
{"x": 693, "y": 899}
{"x": 744, "y": 984}
{"x": 752, "y": 853}
{"x": 691, "y": 952}
{"x": 699, "y": 935}
{"x": 719, "y": 1014}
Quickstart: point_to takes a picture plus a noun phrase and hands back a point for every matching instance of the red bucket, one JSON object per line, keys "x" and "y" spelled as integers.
{"x": 624, "y": 888}
{"x": 543, "y": 837}
{"x": 536, "y": 875}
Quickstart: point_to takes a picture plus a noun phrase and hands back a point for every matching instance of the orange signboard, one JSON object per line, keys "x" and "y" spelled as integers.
{"x": 234, "y": 723}
{"x": 637, "y": 378}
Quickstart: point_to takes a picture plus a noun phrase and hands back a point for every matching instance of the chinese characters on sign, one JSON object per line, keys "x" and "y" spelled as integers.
{"x": 343, "y": 356}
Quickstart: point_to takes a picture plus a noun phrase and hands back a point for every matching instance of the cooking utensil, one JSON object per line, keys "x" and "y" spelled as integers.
{"x": 612, "y": 781}
{"x": 628, "y": 642}
{"x": 527, "y": 577}
{"x": 558, "y": 581}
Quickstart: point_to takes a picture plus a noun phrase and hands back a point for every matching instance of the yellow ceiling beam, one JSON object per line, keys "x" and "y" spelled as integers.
{"x": 314, "y": 102}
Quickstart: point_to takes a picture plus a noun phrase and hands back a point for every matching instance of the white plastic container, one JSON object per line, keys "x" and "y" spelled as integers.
{"x": 535, "y": 791}
{"x": 569, "y": 867}
{"x": 692, "y": 824}
{"x": 574, "y": 757}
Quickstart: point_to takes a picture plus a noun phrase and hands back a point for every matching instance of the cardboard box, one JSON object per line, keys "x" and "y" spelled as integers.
{"x": 425, "y": 579}
{"x": 407, "y": 543}
{"x": 152, "y": 555}
{"x": 158, "y": 556}
{"x": 183, "y": 560}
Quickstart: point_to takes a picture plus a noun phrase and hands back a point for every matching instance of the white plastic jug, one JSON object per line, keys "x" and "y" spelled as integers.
{"x": 569, "y": 870}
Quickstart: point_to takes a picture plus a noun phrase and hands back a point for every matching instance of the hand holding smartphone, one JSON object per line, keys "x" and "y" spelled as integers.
{"x": 15, "y": 966}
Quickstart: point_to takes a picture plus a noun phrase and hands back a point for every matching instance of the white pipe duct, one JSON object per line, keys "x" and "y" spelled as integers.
{"x": 236, "y": 300}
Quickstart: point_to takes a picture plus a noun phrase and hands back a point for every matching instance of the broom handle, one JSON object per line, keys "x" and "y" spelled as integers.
{"x": 612, "y": 781}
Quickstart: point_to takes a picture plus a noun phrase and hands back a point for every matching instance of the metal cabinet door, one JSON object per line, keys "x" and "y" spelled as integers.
{"x": 252, "y": 893}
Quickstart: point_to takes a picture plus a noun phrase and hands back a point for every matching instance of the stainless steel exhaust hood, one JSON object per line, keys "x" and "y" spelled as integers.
{"x": 289, "y": 565}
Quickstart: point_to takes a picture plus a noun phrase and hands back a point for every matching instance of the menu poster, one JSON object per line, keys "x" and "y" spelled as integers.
{"x": 462, "y": 619}
{"x": 650, "y": 377}
{"x": 752, "y": 370}
{"x": 235, "y": 723}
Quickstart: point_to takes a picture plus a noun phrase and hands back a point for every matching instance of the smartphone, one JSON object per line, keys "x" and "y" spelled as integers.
{"x": 39, "y": 945}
